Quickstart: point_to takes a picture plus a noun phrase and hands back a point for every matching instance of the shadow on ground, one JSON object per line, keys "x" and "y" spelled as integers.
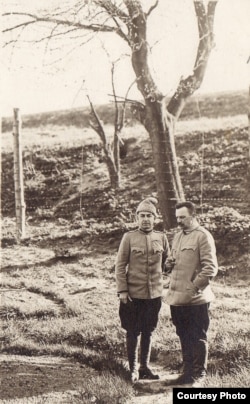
{"x": 25, "y": 377}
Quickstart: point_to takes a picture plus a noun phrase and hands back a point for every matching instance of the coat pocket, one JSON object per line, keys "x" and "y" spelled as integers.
{"x": 189, "y": 258}
{"x": 189, "y": 247}
{"x": 137, "y": 251}
{"x": 157, "y": 248}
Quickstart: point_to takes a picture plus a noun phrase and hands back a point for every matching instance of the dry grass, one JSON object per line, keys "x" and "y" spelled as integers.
{"x": 59, "y": 136}
{"x": 59, "y": 297}
{"x": 71, "y": 310}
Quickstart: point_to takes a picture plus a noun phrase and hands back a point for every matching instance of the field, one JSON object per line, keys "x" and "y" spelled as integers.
{"x": 61, "y": 340}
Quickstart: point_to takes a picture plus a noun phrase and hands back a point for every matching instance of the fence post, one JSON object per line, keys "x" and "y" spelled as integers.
{"x": 18, "y": 176}
{"x": 248, "y": 154}
{"x": 248, "y": 139}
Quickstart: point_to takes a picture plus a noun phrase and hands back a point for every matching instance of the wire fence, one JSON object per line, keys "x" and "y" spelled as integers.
{"x": 73, "y": 180}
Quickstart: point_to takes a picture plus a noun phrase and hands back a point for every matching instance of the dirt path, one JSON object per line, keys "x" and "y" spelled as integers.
{"x": 53, "y": 380}
{"x": 154, "y": 392}
{"x": 40, "y": 379}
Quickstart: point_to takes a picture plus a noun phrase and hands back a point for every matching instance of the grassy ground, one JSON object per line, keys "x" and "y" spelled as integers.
{"x": 61, "y": 339}
{"x": 64, "y": 310}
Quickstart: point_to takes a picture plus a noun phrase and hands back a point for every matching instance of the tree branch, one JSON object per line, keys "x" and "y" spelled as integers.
{"x": 96, "y": 124}
{"x": 113, "y": 10}
{"x": 191, "y": 83}
{"x": 90, "y": 27}
{"x": 115, "y": 99}
{"x": 22, "y": 25}
{"x": 52, "y": 34}
{"x": 124, "y": 105}
{"x": 152, "y": 8}
{"x": 211, "y": 13}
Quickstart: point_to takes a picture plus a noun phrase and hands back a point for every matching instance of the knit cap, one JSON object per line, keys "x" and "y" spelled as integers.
{"x": 147, "y": 205}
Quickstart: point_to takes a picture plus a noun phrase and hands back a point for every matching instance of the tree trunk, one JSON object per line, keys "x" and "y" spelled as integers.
{"x": 159, "y": 127}
{"x": 167, "y": 175}
{"x": 157, "y": 119}
{"x": 114, "y": 174}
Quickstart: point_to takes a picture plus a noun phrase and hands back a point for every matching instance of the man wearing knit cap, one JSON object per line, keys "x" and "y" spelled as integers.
{"x": 139, "y": 263}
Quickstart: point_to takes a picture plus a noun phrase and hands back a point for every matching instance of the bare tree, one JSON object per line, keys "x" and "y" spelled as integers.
{"x": 129, "y": 21}
{"x": 117, "y": 148}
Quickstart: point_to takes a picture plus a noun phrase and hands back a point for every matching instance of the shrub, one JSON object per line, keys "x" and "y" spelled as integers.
{"x": 230, "y": 230}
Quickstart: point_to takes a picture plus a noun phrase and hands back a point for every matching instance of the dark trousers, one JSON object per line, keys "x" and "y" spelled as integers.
{"x": 192, "y": 324}
{"x": 139, "y": 316}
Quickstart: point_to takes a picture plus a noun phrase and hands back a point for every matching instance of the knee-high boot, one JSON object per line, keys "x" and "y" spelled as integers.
{"x": 144, "y": 371}
{"x": 186, "y": 372}
{"x": 187, "y": 358}
{"x": 200, "y": 356}
{"x": 132, "y": 353}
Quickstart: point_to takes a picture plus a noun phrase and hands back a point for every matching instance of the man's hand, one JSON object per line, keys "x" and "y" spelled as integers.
{"x": 193, "y": 290}
{"x": 169, "y": 264}
{"x": 124, "y": 297}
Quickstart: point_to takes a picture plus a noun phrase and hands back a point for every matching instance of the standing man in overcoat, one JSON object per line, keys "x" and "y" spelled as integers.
{"x": 194, "y": 264}
{"x": 139, "y": 265}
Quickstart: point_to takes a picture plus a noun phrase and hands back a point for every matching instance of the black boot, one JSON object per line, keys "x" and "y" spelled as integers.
{"x": 132, "y": 344}
{"x": 200, "y": 355}
{"x": 186, "y": 372}
{"x": 144, "y": 371}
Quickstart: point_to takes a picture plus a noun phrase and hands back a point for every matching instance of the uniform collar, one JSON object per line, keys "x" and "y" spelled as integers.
{"x": 146, "y": 232}
{"x": 191, "y": 229}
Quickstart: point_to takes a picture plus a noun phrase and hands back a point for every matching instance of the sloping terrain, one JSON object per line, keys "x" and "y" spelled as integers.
{"x": 61, "y": 340}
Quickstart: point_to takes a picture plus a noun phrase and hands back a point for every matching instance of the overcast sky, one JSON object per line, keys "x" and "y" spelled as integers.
{"x": 34, "y": 82}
